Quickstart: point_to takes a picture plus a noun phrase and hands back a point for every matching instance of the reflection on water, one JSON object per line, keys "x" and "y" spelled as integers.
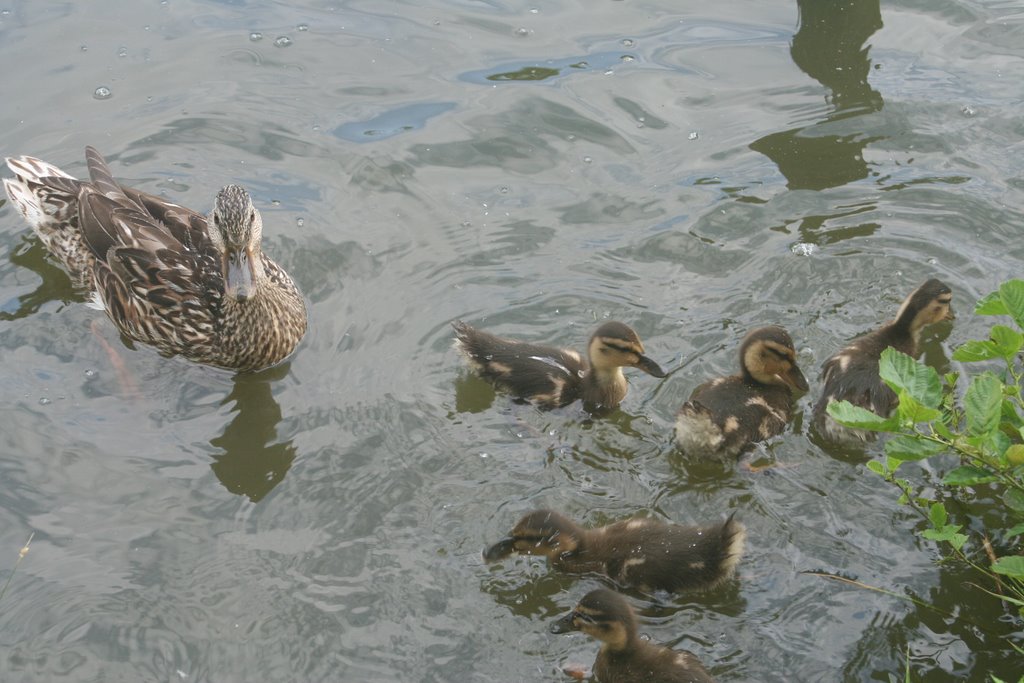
{"x": 55, "y": 285}
{"x": 830, "y": 48}
{"x": 253, "y": 462}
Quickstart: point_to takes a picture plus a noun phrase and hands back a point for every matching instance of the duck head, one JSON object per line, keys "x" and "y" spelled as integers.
{"x": 617, "y": 345}
{"x": 767, "y": 355}
{"x": 236, "y": 228}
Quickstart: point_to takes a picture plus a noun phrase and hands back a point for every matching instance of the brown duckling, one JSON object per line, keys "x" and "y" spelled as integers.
{"x": 553, "y": 377}
{"x": 645, "y": 553}
{"x": 727, "y": 414}
{"x": 852, "y": 373}
{"x": 624, "y": 657}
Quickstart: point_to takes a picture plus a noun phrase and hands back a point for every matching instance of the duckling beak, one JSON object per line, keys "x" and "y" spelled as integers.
{"x": 238, "y": 274}
{"x": 500, "y": 550}
{"x": 564, "y": 624}
{"x": 649, "y": 366}
{"x": 950, "y": 315}
{"x": 795, "y": 379}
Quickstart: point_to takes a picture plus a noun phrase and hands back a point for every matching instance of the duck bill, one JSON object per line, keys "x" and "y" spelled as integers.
{"x": 565, "y": 624}
{"x": 500, "y": 550}
{"x": 239, "y": 278}
{"x": 649, "y": 366}
{"x": 795, "y": 379}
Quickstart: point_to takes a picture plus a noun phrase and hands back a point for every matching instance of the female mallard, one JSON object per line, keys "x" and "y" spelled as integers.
{"x": 158, "y": 269}
{"x": 625, "y": 657}
{"x": 727, "y": 414}
{"x": 553, "y": 377}
{"x": 641, "y": 552}
{"x": 851, "y": 374}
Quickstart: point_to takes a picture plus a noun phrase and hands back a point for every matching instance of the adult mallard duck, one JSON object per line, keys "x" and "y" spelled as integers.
{"x": 724, "y": 416}
{"x": 641, "y": 552}
{"x": 851, "y": 374}
{"x": 624, "y": 657}
{"x": 167, "y": 276}
{"x": 553, "y": 377}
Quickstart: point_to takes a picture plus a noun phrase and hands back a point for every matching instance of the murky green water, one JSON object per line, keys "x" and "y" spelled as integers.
{"x": 694, "y": 169}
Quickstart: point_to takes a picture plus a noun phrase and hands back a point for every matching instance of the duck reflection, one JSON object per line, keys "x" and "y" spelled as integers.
{"x": 830, "y": 48}
{"x": 55, "y": 285}
{"x": 253, "y": 462}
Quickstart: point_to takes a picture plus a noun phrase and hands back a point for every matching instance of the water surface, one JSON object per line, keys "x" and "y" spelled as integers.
{"x": 692, "y": 169}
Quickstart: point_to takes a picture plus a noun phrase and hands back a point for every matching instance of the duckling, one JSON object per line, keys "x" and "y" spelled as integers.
{"x": 644, "y": 553}
{"x": 727, "y": 414}
{"x": 851, "y": 374}
{"x": 624, "y": 657}
{"x": 553, "y": 377}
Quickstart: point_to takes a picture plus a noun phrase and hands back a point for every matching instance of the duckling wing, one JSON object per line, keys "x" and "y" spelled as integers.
{"x": 547, "y": 375}
{"x": 852, "y": 378}
{"x": 739, "y": 413}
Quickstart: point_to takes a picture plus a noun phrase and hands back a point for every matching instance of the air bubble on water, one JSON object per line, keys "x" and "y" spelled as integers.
{"x": 693, "y": 135}
{"x": 302, "y": 27}
{"x": 122, "y": 51}
{"x": 282, "y": 41}
{"x": 484, "y": 455}
{"x": 587, "y": 160}
{"x": 570, "y": 137}
{"x": 534, "y": 10}
{"x": 628, "y": 58}
{"x": 628, "y": 42}
{"x": 300, "y": 222}
{"x": 503, "y": 189}
{"x": 90, "y": 373}
{"x": 522, "y": 32}
{"x": 967, "y": 110}
{"x": 275, "y": 202}
{"x": 45, "y": 401}
{"x": 804, "y": 248}
{"x": 85, "y": 48}
{"x": 489, "y": 356}
{"x": 255, "y": 36}
{"x": 609, "y": 72}
{"x": 102, "y": 93}
{"x": 933, "y": 261}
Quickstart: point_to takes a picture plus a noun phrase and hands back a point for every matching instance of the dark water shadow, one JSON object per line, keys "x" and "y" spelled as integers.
{"x": 55, "y": 285}
{"x": 830, "y": 47}
{"x": 253, "y": 461}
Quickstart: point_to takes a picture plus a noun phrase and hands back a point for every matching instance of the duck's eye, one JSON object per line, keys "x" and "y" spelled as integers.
{"x": 216, "y": 219}
{"x": 252, "y": 216}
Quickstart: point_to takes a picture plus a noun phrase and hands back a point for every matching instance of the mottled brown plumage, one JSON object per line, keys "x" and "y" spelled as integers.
{"x": 624, "y": 657}
{"x": 553, "y": 377}
{"x": 166, "y": 275}
{"x": 643, "y": 553}
{"x": 726, "y": 415}
{"x": 851, "y": 374}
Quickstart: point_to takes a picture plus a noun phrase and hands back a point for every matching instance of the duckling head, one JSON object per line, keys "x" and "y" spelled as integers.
{"x": 617, "y": 345}
{"x": 926, "y": 305}
{"x": 541, "y": 532}
{"x": 236, "y": 230}
{"x": 602, "y": 614}
{"x": 768, "y": 357}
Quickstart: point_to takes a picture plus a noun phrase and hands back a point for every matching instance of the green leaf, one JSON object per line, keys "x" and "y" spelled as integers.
{"x": 903, "y": 374}
{"x": 1012, "y": 294}
{"x": 1016, "y": 530}
{"x": 1007, "y": 340}
{"x": 1014, "y": 500}
{"x": 991, "y": 304}
{"x": 968, "y": 475}
{"x": 910, "y": 411}
{"x": 1011, "y": 565}
{"x": 850, "y": 415}
{"x": 904, "y": 448}
{"x": 983, "y": 403}
{"x": 876, "y": 467}
{"x": 972, "y": 351}
{"x": 947, "y": 533}
{"x": 1010, "y": 414}
{"x": 937, "y": 515}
